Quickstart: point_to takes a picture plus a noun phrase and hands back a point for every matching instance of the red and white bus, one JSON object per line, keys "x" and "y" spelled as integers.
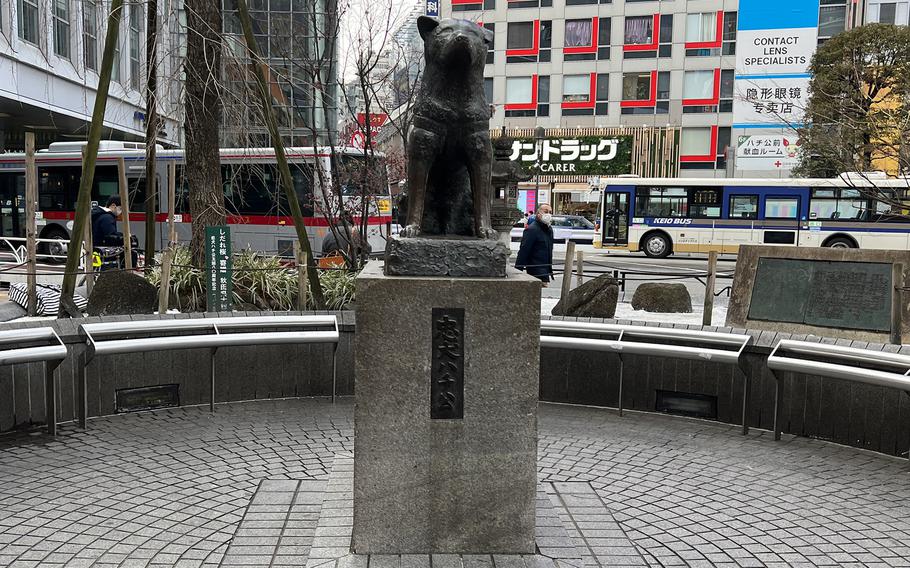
{"x": 257, "y": 209}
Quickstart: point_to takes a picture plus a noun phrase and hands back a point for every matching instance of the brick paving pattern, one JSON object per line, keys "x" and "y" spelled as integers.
{"x": 171, "y": 488}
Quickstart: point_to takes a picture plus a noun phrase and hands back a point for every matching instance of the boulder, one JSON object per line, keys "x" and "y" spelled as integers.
{"x": 122, "y": 293}
{"x": 662, "y": 297}
{"x": 594, "y": 299}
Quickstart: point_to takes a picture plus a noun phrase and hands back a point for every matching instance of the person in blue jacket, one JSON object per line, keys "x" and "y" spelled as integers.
{"x": 104, "y": 223}
{"x": 535, "y": 255}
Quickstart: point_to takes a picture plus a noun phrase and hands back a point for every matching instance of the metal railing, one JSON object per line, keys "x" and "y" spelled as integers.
{"x": 845, "y": 366}
{"x": 639, "y": 340}
{"x": 201, "y": 333}
{"x": 37, "y": 345}
{"x": 19, "y": 251}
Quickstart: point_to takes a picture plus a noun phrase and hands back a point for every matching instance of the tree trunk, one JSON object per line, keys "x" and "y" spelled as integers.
{"x": 151, "y": 133}
{"x": 203, "y": 118}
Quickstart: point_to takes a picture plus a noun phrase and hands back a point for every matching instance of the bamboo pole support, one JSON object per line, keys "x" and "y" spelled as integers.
{"x": 302, "y": 268}
{"x": 31, "y": 228}
{"x": 580, "y": 267}
{"x": 709, "y": 289}
{"x": 567, "y": 270}
{"x": 897, "y": 304}
{"x": 169, "y": 252}
{"x": 125, "y": 203}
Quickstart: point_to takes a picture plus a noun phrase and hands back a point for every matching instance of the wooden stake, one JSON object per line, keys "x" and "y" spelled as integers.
{"x": 567, "y": 270}
{"x": 88, "y": 257}
{"x": 125, "y": 203}
{"x": 171, "y": 250}
{"x": 709, "y": 289}
{"x": 580, "y": 267}
{"x": 31, "y": 229}
{"x": 897, "y": 304}
{"x": 300, "y": 257}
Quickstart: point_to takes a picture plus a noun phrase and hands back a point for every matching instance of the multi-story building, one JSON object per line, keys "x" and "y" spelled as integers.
{"x": 576, "y": 66}
{"x": 298, "y": 42}
{"x": 50, "y": 54}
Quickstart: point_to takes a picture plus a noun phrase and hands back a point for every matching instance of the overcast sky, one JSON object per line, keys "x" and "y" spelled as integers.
{"x": 364, "y": 22}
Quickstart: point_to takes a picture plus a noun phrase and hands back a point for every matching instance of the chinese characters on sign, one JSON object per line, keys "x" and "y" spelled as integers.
{"x": 559, "y": 155}
{"x": 773, "y": 100}
{"x": 447, "y": 371}
{"x": 218, "y": 269}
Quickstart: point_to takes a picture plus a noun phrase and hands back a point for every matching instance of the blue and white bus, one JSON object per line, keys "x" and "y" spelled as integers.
{"x": 662, "y": 216}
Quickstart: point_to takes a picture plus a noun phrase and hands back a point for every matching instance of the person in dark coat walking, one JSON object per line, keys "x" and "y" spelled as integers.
{"x": 535, "y": 255}
{"x": 104, "y": 224}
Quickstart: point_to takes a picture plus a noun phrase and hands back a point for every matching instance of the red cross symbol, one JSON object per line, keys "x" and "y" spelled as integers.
{"x": 778, "y": 164}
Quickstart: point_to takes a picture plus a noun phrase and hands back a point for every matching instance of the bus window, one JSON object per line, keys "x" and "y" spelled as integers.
{"x": 254, "y": 189}
{"x": 661, "y": 202}
{"x": 781, "y": 208}
{"x": 57, "y": 188}
{"x": 303, "y": 187}
{"x": 105, "y": 183}
{"x": 744, "y": 207}
{"x": 705, "y": 204}
{"x": 842, "y": 204}
{"x": 355, "y": 170}
{"x": 137, "y": 193}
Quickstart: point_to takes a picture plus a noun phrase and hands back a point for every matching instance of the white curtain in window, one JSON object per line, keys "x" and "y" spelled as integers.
{"x": 889, "y": 12}
{"x": 639, "y": 30}
{"x": 695, "y": 142}
{"x": 576, "y": 88}
{"x": 701, "y": 27}
{"x": 578, "y": 33}
{"x": 518, "y": 90}
{"x": 698, "y": 84}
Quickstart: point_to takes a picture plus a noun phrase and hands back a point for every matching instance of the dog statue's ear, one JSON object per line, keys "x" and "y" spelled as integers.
{"x": 487, "y": 36}
{"x": 425, "y": 25}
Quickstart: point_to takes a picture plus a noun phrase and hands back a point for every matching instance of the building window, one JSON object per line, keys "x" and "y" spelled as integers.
{"x": 701, "y": 28}
{"x": 579, "y": 33}
{"x": 519, "y": 90}
{"x": 729, "y": 47}
{"x": 491, "y": 50}
{"x": 90, "y": 34}
{"x": 520, "y": 35}
{"x": 639, "y": 30}
{"x": 528, "y": 4}
{"x": 135, "y": 28}
{"x": 832, "y": 18}
{"x": 466, "y": 5}
{"x": 602, "y": 94}
{"x": 576, "y": 88}
{"x": 636, "y": 86}
{"x": 701, "y": 91}
{"x": 695, "y": 142}
{"x": 726, "y": 90}
{"x": 28, "y": 20}
{"x": 488, "y": 89}
{"x": 527, "y": 96}
{"x": 587, "y": 39}
{"x": 115, "y": 69}
{"x": 62, "y": 28}
{"x": 888, "y": 12}
{"x": 529, "y": 42}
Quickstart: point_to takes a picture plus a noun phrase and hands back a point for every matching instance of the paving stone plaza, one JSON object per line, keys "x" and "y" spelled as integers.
{"x": 245, "y": 487}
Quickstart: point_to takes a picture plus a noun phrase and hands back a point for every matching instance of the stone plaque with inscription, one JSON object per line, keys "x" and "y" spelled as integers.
{"x": 828, "y": 292}
{"x": 854, "y": 295}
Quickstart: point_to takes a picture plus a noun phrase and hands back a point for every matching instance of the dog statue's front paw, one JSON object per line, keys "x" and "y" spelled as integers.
{"x": 410, "y": 231}
{"x": 487, "y": 233}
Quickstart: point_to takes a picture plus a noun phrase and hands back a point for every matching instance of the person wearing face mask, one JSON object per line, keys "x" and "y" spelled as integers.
{"x": 535, "y": 255}
{"x": 104, "y": 223}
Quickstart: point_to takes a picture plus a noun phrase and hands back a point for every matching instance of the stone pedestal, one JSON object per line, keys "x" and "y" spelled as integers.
{"x": 446, "y": 256}
{"x": 425, "y": 485}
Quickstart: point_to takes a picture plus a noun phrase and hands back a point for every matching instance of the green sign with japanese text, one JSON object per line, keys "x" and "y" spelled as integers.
{"x": 577, "y": 155}
{"x": 218, "y": 269}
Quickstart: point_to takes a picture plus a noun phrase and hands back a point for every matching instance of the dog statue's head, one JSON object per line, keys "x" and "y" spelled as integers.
{"x": 454, "y": 42}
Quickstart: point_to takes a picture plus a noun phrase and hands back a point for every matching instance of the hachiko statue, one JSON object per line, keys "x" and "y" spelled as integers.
{"x": 449, "y": 151}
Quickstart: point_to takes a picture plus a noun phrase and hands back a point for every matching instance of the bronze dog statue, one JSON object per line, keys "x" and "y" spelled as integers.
{"x": 449, "y": 152}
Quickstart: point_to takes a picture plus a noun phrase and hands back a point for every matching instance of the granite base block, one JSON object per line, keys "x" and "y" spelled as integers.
{"x": 426, "y": 256}
{"x": 445, "y": 486}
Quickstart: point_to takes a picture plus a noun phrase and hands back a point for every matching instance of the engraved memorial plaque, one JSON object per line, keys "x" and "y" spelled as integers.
{"x": 835, "y": 294}
{"x": 447, "y": 372}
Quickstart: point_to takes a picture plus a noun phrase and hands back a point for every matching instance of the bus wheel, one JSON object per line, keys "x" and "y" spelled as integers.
{"x": 840, "y": 243}
{"x": 56, "y": 249}
{"x": 656, "y": 245}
